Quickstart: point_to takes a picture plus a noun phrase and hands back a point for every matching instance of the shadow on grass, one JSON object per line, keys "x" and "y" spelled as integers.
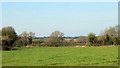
{"x": 56, "y": 63}
{"x": 14, "y": 49}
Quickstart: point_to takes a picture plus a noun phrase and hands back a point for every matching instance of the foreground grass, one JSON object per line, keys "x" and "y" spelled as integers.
{"x": 62, "y": 56}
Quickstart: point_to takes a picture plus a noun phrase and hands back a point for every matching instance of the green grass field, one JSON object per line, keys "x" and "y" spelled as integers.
{"x": 61, "y": 56}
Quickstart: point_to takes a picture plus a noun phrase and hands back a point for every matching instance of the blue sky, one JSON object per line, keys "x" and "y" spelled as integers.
{"x": 71, "y": 18}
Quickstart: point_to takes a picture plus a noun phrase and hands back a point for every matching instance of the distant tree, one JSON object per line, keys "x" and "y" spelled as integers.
{"x": 19, "y": 42}
{"x": 9, "y": 36}
{"x": 56, "y": 38}
{"x": 91, "y": 39}
{"x": 115, "y": 40}
{"x": 30, "y": 37}
{"x": 111, "y": 36}
{"x": 107, "y": 39}
{"x": 27, "y": 37}
{"x": 112, "y": 31}
{"x": 99, "y": 40}
{"x": 81, "y": 39}
{"x": 24, "y": 37}
{"x": 24, "y": 34}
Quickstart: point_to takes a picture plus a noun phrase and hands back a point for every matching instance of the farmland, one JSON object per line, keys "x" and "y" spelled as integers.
{"x": 61, "y": 56}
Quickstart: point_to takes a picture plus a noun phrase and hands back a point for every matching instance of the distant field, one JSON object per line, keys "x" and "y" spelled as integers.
{"x": 62, "y": 56}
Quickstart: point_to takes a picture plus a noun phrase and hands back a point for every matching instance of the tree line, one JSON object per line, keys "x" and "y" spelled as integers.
{"x": 10, "y": 39}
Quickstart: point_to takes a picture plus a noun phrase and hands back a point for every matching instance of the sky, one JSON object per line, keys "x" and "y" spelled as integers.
{"x": 70, "y": 18}
{"x": 59, "y": 0}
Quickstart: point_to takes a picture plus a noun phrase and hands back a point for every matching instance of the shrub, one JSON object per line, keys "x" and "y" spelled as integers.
{"x": 9, "y": 36}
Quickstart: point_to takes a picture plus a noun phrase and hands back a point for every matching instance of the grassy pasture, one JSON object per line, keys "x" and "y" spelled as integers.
{"x": 61, "y": 56}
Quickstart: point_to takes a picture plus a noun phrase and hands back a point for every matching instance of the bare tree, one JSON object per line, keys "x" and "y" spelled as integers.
{"x": 56, "y": 38}
{"x": 31, "y": 35}
{"x": 24, "y": 37}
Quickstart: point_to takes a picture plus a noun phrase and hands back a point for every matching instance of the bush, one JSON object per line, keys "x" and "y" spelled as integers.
{"x": 9, "y": 36}
{"x": 20, "y": 42}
